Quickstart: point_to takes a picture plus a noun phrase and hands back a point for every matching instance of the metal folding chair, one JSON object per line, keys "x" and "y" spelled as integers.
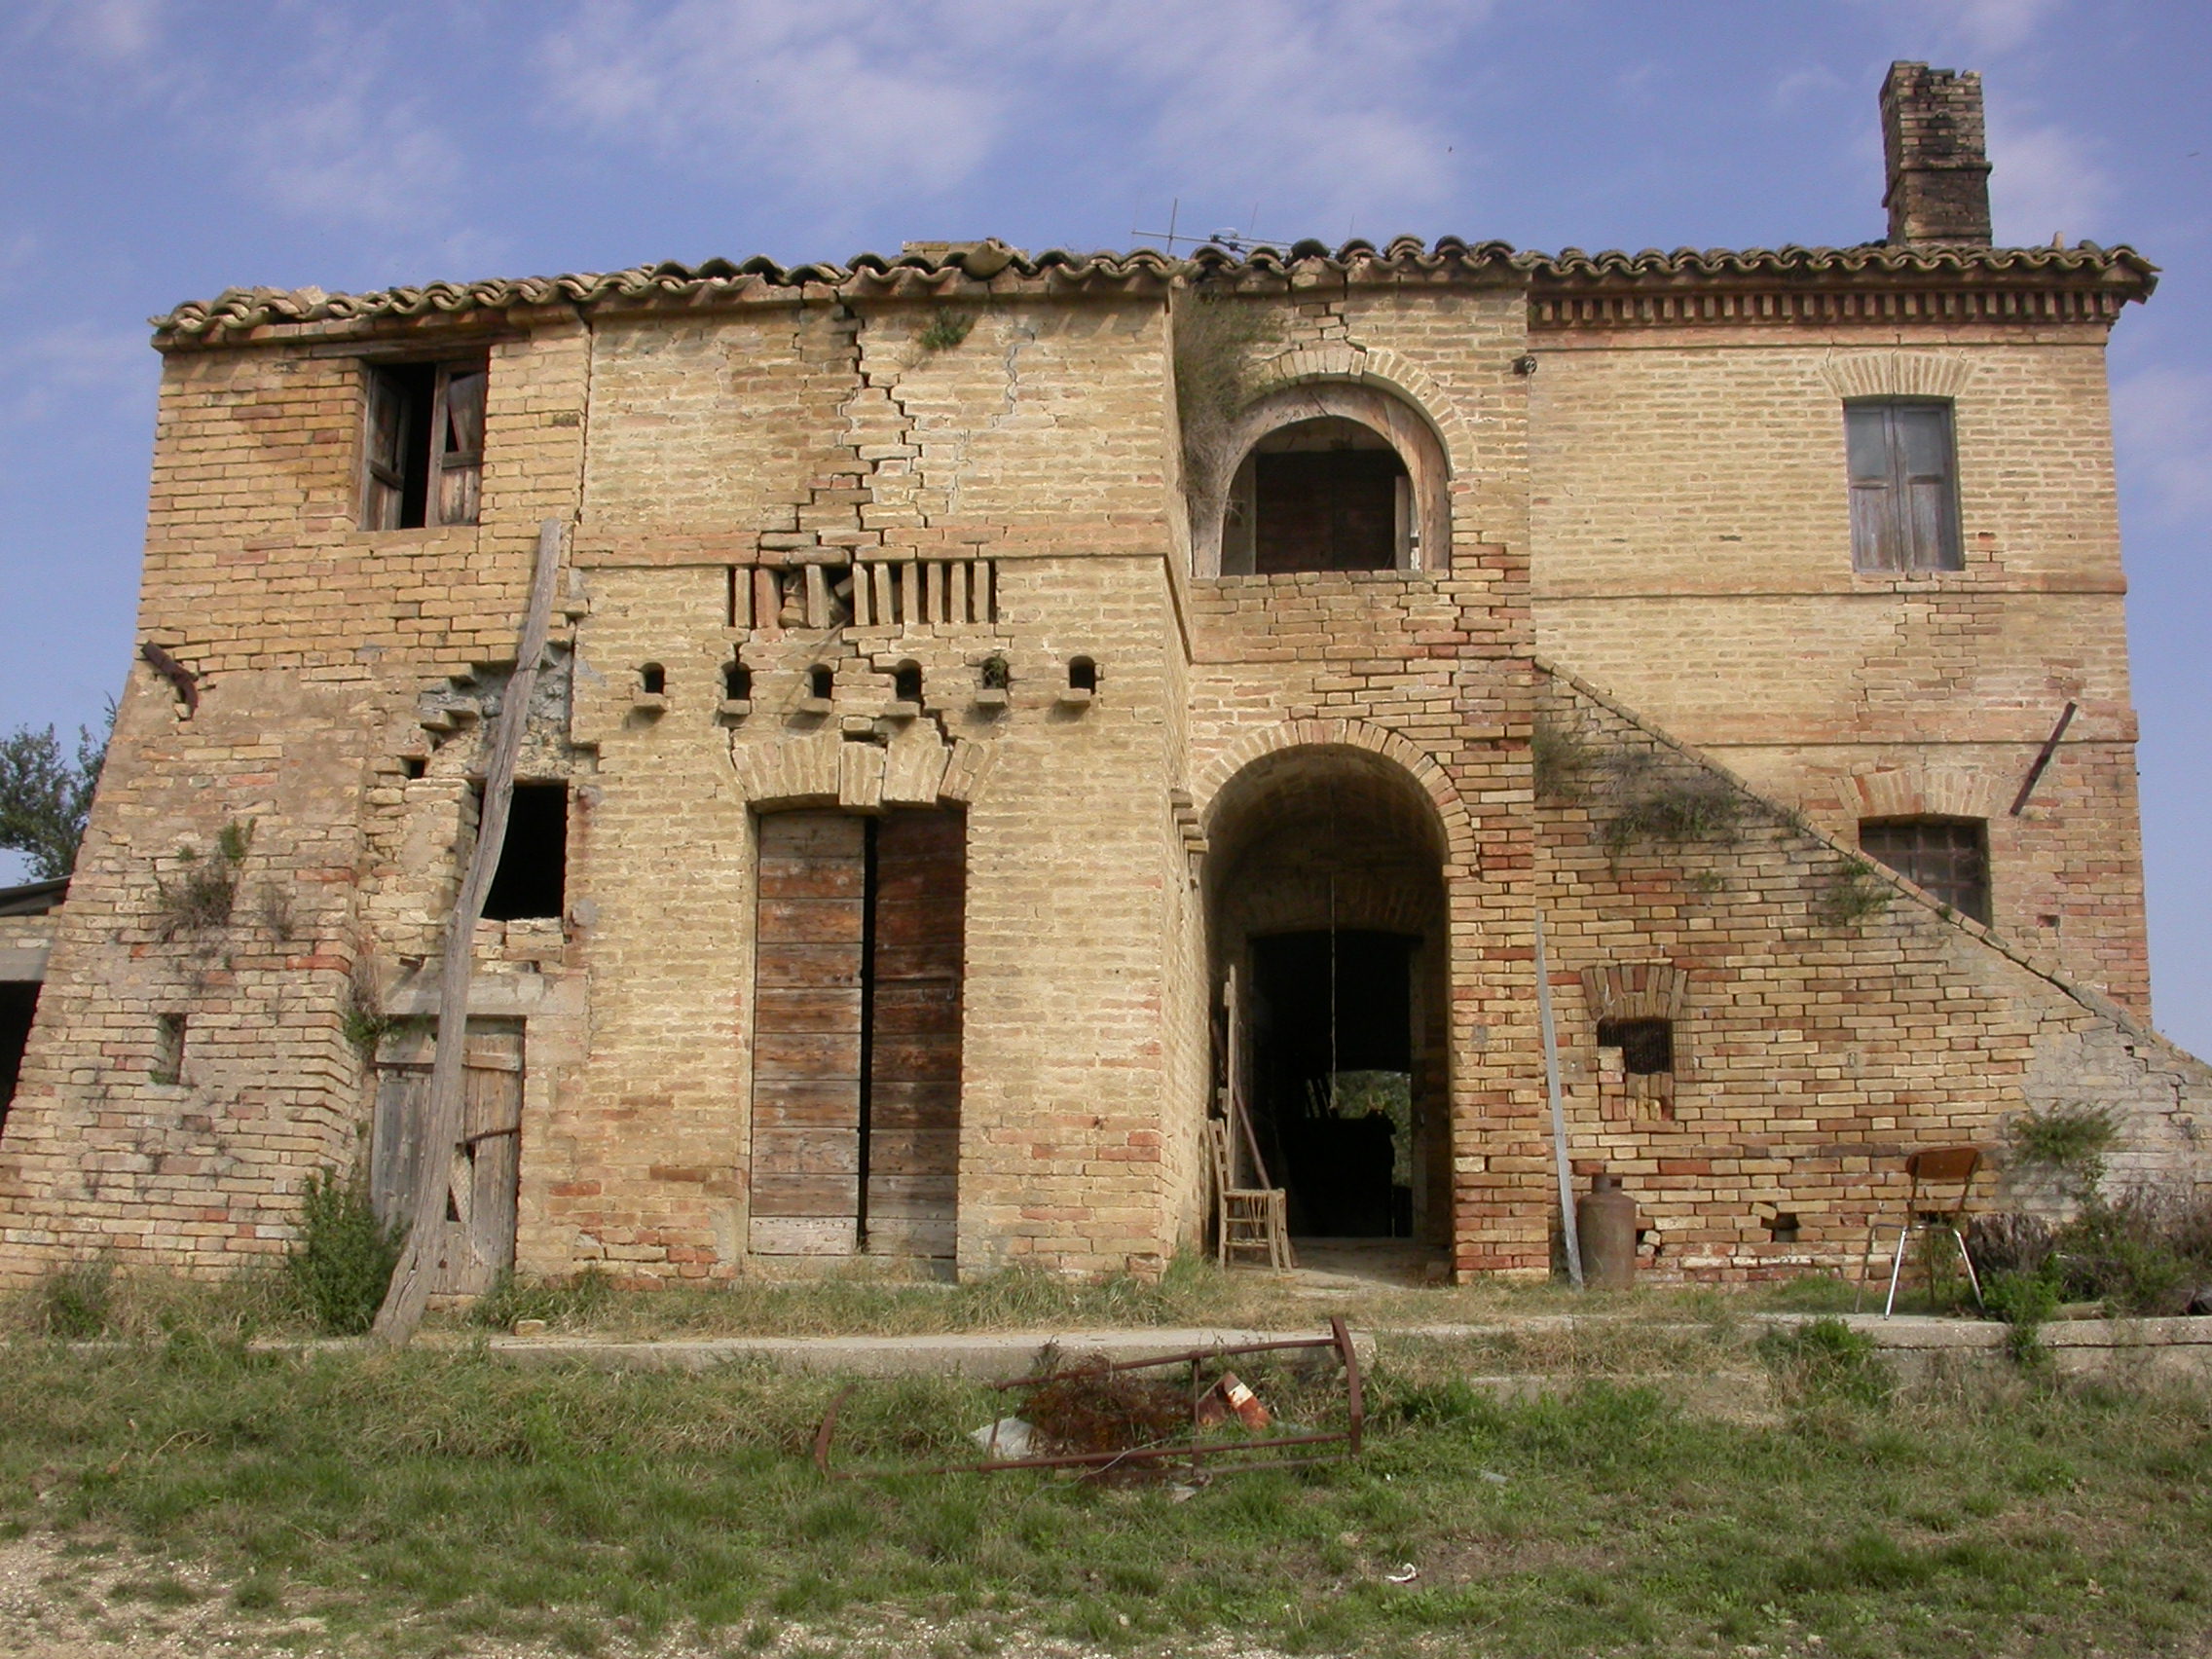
{"x": 1929, "y": 1169}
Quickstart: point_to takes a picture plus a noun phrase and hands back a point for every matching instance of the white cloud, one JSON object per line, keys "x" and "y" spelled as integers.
{"x": 2045, "y": 181}
{"x": 1981, "y": 27}
{"x": 79, "y": 367}
{"x": 108, "y": 32}
{"x": 344, "y": 153}
{"x": 1319, "y": 107}
{"x": 2163, "y": 430}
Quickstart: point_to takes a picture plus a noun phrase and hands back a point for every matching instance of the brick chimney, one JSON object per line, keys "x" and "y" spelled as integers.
{"x": 1939, "y": 170}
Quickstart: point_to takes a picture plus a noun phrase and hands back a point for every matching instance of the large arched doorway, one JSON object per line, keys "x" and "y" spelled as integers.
{"x": 1328, "y": 941}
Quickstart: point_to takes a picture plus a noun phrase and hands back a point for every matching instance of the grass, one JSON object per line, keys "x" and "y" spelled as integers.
{"x": 425, "y": 1501}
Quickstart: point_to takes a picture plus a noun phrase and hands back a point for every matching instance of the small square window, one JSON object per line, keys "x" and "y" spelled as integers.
{"x": 1904, "y": 499}
{"x": 1949, "y": 857}
{"x": 424, "y": 459}
{"x": 1646, "y": 1045}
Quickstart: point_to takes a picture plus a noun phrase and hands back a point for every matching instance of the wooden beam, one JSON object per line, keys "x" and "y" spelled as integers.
{"x": 443, "y": 1169}
{"x": 1558, "y": 1113}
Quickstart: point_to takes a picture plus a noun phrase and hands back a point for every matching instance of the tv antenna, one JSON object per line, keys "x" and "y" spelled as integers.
{"x": 1230, "y": 238}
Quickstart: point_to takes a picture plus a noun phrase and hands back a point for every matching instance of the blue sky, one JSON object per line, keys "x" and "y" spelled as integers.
{"x": 160, "y": 150}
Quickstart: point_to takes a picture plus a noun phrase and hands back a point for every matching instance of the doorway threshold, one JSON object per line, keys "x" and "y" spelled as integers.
{"x": 1336, "y": 1263}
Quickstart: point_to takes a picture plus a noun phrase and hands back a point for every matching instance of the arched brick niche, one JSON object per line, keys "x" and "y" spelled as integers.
{"x": 1299, "y": 425}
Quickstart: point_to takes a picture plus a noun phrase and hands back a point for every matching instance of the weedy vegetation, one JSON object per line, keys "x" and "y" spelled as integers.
{"x": 1851, "y": 893}
{"x": 205, "y": 890}
{"x": 342, "y": 1261}
{"x": 435, "y": 1500}
{"x": 945, "y": 329}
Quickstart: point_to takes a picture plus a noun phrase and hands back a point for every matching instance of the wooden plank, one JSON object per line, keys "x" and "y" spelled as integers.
{"x": 1558, "y": 1115}
{"x": 411, "y": 1281}
{"x": 806, "y": 1042}
{"x": 915, "y": 1046}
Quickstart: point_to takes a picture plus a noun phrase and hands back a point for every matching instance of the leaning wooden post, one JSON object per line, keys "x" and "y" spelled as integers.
{"x": 442, "y": 1169}
{"x": 1567, "y": 1228}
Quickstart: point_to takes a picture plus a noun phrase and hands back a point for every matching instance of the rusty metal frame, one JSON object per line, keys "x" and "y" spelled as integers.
{"x": 1192, "y": 1451}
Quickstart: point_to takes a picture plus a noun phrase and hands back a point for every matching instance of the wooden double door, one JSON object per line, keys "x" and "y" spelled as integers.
{"x": 855, "y": 1033}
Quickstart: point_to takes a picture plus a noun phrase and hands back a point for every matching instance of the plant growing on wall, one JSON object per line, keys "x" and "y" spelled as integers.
{"x": 1561, "y": 759}
{"x": 946, "y": 329}
{"x": 207, "y": 889}
{"x": 1851, "y": 893}
{"x": 1653, "y": 803}
{"x": 2066, "y": 1142}
{"x": 1217, "y": 343}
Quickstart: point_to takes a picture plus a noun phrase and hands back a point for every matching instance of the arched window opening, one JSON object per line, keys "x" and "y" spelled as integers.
{"x": 907, "y": 682}
{"x": 1328, "y": 494}
{"x": 737, "y": 683}
{"x": 652, "y": 680}
{"x": 1083, "y": 673}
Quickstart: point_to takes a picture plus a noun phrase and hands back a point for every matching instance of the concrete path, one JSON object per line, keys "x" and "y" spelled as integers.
{"x": 2179, "y": 1348}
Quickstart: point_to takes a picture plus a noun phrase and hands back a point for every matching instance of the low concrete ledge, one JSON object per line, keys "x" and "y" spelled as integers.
{"x": 983, "y": 1356}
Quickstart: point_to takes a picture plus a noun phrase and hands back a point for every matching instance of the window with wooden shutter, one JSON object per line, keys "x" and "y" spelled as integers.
{"x": 423, "y": 461}
{"x": 1905, "y": 504}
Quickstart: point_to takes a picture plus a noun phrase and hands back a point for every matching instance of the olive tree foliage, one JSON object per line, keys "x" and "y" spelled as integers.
{"x": 46, "y": 795}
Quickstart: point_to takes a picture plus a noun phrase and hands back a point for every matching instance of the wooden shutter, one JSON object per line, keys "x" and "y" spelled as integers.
{"x": 1875, "y": 542}
{"x": 913, "y": 1142}
{"x": 459, "y": 422}
{"x": 384, "y": 484}
{"x": 806, "y": 1034}
{"x": 1903, "y": 495}
{"x": 1920, "y": 437}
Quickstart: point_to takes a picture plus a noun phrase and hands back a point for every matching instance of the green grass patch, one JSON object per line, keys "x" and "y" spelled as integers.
{"x": 424, "y": 1499}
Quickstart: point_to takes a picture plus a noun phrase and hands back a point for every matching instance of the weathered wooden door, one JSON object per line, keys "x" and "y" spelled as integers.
{"x": 913, "y": 1056}
{"x": 806, "y": 1034}
{"x": 480, "y": 1245}
{"x": 856, "y": 1063}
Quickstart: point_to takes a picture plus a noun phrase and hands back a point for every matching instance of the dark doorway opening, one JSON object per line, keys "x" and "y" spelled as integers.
{"x": 1331, "y": 1070}
{"x": 533, "y": 877}
{"x": 18, "y": 1001}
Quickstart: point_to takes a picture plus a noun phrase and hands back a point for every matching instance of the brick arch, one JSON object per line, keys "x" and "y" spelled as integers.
{"x": 1920, "y": 791}
{"x": 1896, "y": 373}
{"x": 1421, "y": 770}
{"x": 1379, "y": 391}
{"x": 1387, "y": 372}
{"x": 825, "y": 770}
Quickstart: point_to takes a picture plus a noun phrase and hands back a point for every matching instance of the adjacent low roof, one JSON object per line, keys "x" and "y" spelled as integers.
{"x": 946, "y": 271}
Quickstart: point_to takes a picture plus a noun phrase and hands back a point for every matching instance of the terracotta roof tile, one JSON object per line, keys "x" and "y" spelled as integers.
{"x": 922, "y": 273}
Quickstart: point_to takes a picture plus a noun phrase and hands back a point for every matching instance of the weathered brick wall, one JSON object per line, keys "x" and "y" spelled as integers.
{"x": 1812, "y": 1052}
{"x": 203, "y": 1170}
{"x": 700, "y": 458}
{"x": 1693, "y": 559}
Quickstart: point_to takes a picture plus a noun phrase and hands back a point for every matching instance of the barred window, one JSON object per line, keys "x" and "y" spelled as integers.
{"x": 1905, "y": 499}
{"x": 1949, "y": 857}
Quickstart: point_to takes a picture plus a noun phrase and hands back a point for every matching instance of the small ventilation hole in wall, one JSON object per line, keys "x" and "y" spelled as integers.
{"x": 652, "y": 680}
{"x": 169, "y": 1049}
{"x": 907, "y": 682}
{"x": 737, "y": 683}
{"x": 413, "y": 765}
{"x": 1782, "y": 1229}
{"x": 1083, "y": 673}
{"x": 822, "y": 683}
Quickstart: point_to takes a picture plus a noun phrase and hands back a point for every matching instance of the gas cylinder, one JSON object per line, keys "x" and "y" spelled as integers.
{"x": 1605, "y": 1219}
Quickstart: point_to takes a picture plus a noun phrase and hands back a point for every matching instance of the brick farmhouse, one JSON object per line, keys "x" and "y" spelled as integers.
{"x": 1002, "y": 711}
